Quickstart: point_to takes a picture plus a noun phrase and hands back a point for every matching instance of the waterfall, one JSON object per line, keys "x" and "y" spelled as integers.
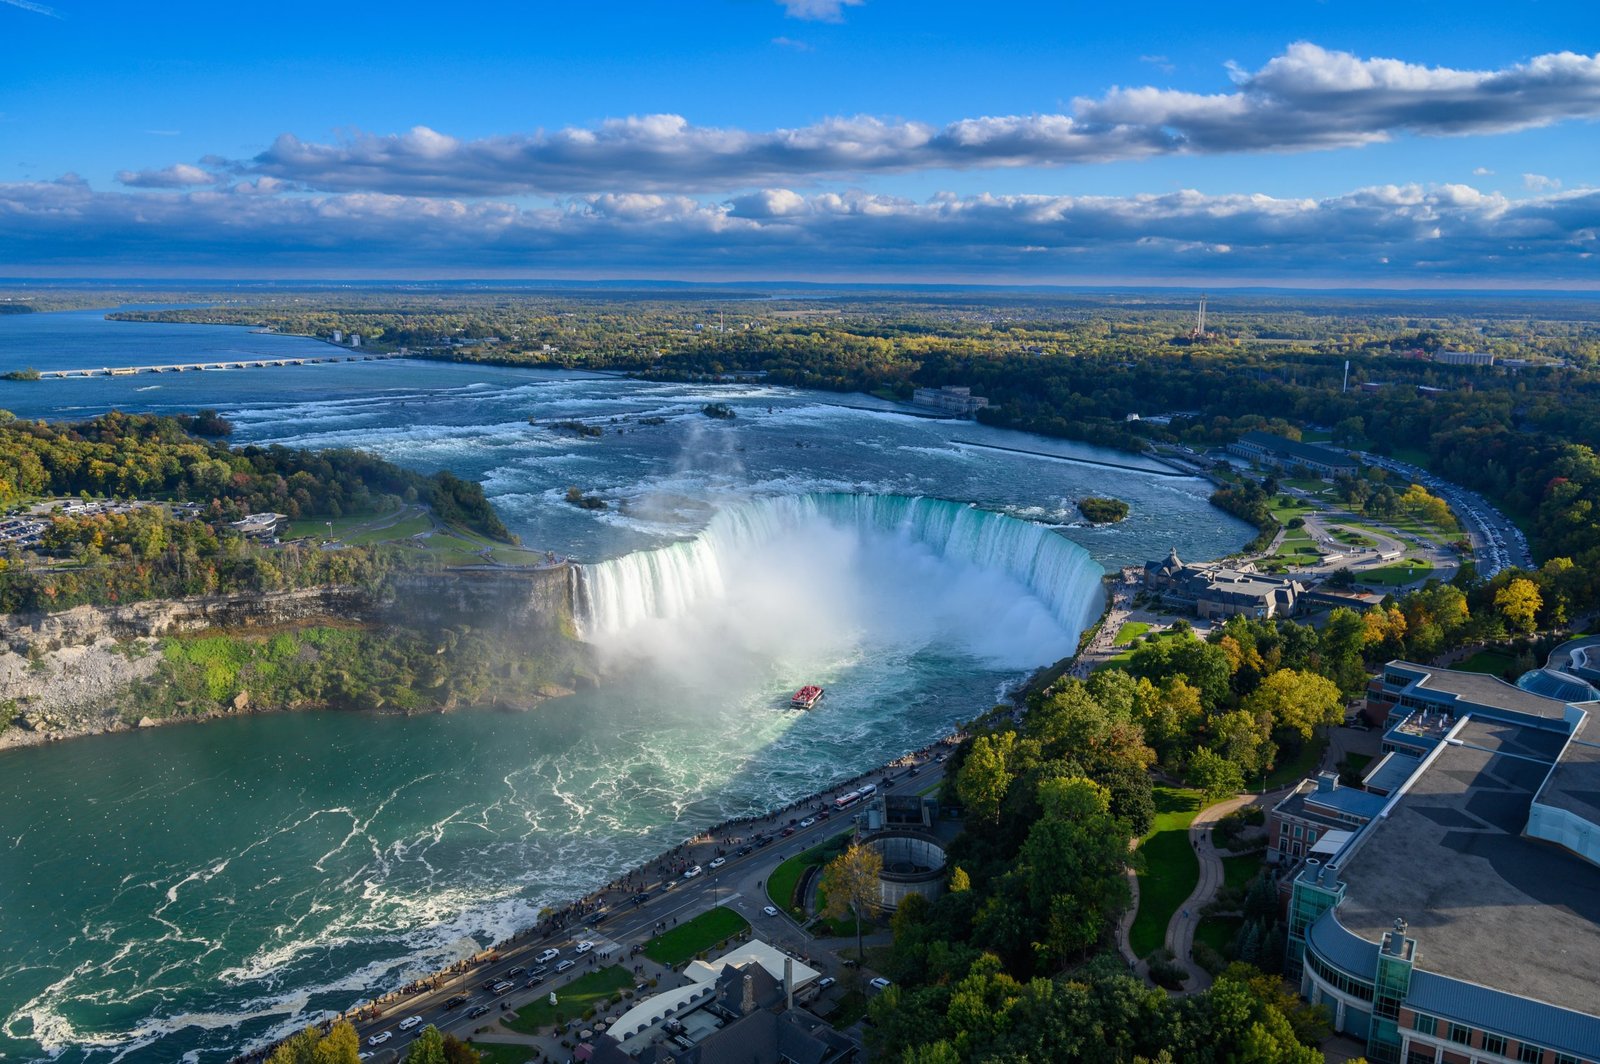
{"x": 613, "y": 596}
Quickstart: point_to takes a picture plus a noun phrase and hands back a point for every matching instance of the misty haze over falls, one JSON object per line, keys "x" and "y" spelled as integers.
{"x": 800, "y": 578}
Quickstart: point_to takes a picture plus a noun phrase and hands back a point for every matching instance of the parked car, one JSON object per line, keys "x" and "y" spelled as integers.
{"x": 770, "y": 910}
{"x": 825, "y": 982}
{"x": 691, "y": 873}
{"x": 880, "y": 983}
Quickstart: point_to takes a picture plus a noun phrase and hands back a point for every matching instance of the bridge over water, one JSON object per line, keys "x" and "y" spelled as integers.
{"x": 198, "y": 367}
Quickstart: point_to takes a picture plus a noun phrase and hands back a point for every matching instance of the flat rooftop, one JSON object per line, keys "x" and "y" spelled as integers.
{"x": 1575, "y": 784}
{"x": 1485, "y": 904}
{"x": 1489, "y": 691}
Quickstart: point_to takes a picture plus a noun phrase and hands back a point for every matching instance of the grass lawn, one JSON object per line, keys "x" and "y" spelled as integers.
{"x": 780, "y": 887}
{"x": 1240, "y": 871}
{"x": 572, "y": 1000}
{"x": 1123, "y": 656}
{"x": 1350, "y": 537}
{"x": 317, "y": 527}
{"x": 1296, "y": 549}
{"x": 683, "y": 942}
{"x": 851, "y": 1008}
{"x": 1284, "y": 507}
{"x": 1488, "y": 662}
{"x": 1130, "y": 631}
{"x": 1408, "y": 571}
{"x": 1298, "y": 767}
{"x": 1217, "y": 932}
{"x": 1358, "y": 762}
{"x": 399, "y": 530}
{"x": 499, "y": 1053}
{"x": 1170, "y": 868}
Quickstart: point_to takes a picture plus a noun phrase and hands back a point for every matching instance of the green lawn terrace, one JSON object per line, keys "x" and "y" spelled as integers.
{"x": 414, "y": 527}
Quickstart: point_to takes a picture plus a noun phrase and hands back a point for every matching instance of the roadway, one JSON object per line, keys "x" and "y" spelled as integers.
{"x": 1496, "y": 543}
{"x": 739, "y": 884}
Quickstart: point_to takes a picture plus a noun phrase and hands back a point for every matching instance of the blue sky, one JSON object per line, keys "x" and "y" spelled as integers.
{"x": 1392, "y": 144}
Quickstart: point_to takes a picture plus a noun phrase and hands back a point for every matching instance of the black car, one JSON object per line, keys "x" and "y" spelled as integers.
{"x": 488, "y": 984}
{"x": 476, "y": 1011}
{"x": 456, "y": 1002}
{"x": 518, "y": 970}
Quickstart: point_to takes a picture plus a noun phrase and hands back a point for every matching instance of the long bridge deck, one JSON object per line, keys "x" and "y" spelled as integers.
{"x": 198, "y": 367}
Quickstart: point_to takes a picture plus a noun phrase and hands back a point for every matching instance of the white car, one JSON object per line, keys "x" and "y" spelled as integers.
{"x": 691, "y": 873}
{"x": 379, "y": 1039}
{"x": 808, "y": 821}
{"x": 880, "y": 983}
{"x": 585, "y": 946}
{"x": 410, "y": 1022}
{"x": 719, "y": 862}
{"x": 564, "y": 965}
{"x": 770, "y": 911}
{"x": 547, "y": 956}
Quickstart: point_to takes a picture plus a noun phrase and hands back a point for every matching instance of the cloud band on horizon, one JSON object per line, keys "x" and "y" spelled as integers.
{"x": 1385, "y": 235}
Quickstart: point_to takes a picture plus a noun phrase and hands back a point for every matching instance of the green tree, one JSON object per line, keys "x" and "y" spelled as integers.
{"x": 1214, "y": 775}
{"x": 428, "y": 1048}
{"x": 1072, "y": 864}
{"x": 986, "y": 775}
{"x": 1246, "y": 740}
{"x": 1296, "y": 701}
{"x": 850, "y": 882}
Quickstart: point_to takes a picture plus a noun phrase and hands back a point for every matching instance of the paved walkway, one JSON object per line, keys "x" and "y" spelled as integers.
{"x": 1180, "y": 929}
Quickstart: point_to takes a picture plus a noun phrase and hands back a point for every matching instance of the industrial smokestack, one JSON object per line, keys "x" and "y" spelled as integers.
{"x": 788, "y": 981}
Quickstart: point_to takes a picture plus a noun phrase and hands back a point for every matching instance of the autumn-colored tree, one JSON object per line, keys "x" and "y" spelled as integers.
{"x": 850, "y": 884}
{"x": 1519, "y": 602}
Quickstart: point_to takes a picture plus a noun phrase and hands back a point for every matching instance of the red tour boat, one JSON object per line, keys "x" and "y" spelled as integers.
{"x": 807, "y": 697}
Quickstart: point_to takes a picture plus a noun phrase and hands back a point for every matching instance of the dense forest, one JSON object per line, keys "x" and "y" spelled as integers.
{"x": 153, "y": 552}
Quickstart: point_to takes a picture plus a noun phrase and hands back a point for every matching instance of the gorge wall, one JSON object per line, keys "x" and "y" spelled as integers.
{"x": 73, "y": 672}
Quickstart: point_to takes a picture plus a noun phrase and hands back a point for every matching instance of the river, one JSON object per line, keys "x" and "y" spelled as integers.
{"x": 184, "y": 892}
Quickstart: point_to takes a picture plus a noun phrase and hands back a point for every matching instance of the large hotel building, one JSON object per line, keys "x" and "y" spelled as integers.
{"x": 1449, "y": 909}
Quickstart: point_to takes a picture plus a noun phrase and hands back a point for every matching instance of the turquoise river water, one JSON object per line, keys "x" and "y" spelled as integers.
{"x": 182, "y": 893}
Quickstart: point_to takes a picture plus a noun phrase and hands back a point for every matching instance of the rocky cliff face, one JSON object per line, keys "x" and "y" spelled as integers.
{"x": 66, "y": 673}
{"x": 21, "y": 633}
{"x": 537, "y": 601}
